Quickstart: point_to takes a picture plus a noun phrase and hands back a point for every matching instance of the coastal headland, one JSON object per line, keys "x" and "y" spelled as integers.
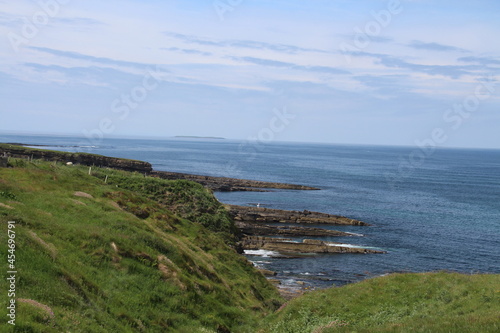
{"x": 21, "y": 151}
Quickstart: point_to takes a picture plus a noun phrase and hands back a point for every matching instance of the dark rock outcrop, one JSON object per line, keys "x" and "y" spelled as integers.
{"x": 267, "y": 272}
{"x": 223, "y": 184}
{"x": 77, "y": 158}
{"x": 267, "y": 215}
{"x": 4, "y": 160}
{"x": 287, "y": 245}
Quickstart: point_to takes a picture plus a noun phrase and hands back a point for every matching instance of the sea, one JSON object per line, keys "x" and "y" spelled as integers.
{"x": 429, "y": 208}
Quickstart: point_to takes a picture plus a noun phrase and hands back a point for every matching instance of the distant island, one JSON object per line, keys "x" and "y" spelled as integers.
{"x": 199, "y": 137}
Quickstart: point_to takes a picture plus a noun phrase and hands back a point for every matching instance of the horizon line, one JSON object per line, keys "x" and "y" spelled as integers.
{"x": 221, "y": 139}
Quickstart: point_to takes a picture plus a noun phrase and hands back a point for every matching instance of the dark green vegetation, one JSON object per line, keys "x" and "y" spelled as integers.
{"x": 187, "y": 199}
{"x": 429, "y": 302}
{"x": 126, "y": 259}
{"x": 119, "y": 252}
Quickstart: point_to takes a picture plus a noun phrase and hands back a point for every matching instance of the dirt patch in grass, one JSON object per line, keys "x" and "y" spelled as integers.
{"x": 83, "y": 195}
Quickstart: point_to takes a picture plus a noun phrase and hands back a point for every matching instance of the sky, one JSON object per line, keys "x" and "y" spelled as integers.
{"x": 395, "y": 72}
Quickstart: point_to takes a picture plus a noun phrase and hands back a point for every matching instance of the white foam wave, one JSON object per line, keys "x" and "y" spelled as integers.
{"x": 262, "y": 262}
{"x": 262, "y": 253}
{"x": 348, "y": 245}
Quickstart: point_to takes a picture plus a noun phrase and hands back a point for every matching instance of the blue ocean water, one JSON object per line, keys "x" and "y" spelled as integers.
{"x": 440, "y": 213}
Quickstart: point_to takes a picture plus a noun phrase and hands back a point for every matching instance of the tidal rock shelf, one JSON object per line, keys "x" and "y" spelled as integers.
{"x": 254, "y": 224}
{"x": 289, "y": 246}
{"x": 224, "y": 184}
{"x": 268, "y": 215}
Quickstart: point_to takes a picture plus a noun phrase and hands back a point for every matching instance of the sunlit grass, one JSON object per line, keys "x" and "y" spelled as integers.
{"x": 428, "y": 302}
{"x": 96, "y": 263}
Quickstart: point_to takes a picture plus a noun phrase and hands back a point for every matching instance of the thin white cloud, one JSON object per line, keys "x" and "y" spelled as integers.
{"x": 416, "y": 44}
{"x": 245, "y": 44}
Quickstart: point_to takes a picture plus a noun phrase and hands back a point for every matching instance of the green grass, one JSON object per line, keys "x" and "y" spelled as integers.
{"x": 428, "y": 302}
{"x": 145, "y": 254}
{"x": 121, "y": 261}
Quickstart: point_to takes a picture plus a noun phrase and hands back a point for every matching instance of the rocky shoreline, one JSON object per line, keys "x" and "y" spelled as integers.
{"x": 253, "y": 222}
{"x": 219, "y": 184}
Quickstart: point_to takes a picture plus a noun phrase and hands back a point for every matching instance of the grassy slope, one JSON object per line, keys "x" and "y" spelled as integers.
{"x": 429, "y": 302}
{"x": 105, "y": 268}
{"x": 187, "y": 199}
{"x": 129, "y": 260}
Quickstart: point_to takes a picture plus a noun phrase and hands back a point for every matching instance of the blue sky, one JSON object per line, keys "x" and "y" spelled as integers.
{"x": 360, "y": 72}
